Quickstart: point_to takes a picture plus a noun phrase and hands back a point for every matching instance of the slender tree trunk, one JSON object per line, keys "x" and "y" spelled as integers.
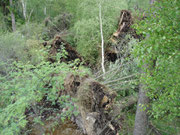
{"x": 23, "y": 2}
{"x": 102, "y": 39}
{"x": 12, "y": 17}
{"x": 141, "y": 119}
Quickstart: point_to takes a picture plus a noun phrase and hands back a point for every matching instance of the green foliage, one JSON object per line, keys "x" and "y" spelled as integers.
{"x": 160, "y": 51}
{"x": 167, "y": 127}
{"x": 69, "y": 106}
{"x": 127, "y": 124}
{"x": 26, "y": 85}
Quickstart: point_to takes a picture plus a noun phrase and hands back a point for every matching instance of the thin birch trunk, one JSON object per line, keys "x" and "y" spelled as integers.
{"x": 12, "y": 17}
{"x": 102, "y": 39}
{"x": 23, "y": 2}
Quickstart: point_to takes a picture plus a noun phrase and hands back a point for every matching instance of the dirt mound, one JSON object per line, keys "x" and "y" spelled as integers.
{"x": 94, "y": 96}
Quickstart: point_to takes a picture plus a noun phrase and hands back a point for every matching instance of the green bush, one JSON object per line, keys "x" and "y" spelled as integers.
{"x": 160, "y": 51}
{"x": 24, "y": 87}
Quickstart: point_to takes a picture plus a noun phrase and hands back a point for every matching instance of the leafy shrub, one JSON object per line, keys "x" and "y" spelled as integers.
{"x": 160, "y": 51}
{"x": 24, "y": 87}
{"x": 36, "y": 52}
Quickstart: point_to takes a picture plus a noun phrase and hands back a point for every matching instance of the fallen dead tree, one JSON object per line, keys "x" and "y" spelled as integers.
{"x": 95, "y": 102}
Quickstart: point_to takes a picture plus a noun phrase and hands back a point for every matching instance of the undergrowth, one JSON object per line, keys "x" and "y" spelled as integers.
{"x": 34, "y": 90}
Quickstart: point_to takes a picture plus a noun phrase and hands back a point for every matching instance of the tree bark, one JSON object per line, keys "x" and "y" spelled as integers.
{"x": 141, "y": 119}
{"x": 12, "y": 17}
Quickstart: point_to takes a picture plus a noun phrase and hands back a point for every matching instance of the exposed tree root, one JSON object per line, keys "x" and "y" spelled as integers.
{"x": 95, "y": 102}
{"x": 119, "y": 40}
{"x": 60, "y": 46}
